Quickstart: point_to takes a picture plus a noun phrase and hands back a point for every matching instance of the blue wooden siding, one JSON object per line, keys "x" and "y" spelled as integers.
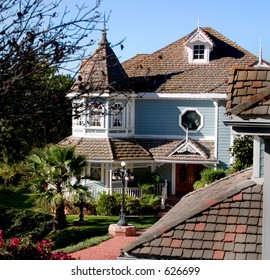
{"x": 224, "y": 137}
{"x": 161, "y": 117}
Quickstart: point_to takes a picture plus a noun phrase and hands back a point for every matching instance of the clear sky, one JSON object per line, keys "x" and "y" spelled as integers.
{"x": 149, "y": 25}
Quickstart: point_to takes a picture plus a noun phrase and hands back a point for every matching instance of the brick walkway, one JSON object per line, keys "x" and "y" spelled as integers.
{"x": 106, "y": 250}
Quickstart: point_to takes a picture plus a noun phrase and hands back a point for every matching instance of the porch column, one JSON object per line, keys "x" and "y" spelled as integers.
{"x": 110, "y": 179}
{"x": 173, "y": 178}
{"x": 215, "y": 102}
{"x": 266, "y": 203}
{"x": 257, "y": 159}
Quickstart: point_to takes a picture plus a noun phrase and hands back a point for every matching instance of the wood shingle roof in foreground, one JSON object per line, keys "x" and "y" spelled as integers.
{"x": 168, "y": 70}
{"x": 249, "y": 92}
{"x": 220, "y": 221}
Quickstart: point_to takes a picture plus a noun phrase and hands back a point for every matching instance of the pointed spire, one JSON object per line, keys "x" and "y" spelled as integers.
{"x": 260, "y": 62}
{"x": 104, "y": 40}
{"x": 198, "y": 23}
{"x": 103, "y": 71}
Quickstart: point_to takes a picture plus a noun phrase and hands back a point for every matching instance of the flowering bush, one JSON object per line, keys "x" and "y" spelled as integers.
{"x": 23, "y": 249}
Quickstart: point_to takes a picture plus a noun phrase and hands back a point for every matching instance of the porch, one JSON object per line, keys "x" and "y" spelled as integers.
{"x": 97, "y": 188}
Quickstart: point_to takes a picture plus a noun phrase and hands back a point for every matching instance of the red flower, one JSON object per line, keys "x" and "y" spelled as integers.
{"x": 14, "y": 242}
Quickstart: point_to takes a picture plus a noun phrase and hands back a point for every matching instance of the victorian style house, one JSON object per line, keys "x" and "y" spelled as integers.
{"x": 161, "y": 112}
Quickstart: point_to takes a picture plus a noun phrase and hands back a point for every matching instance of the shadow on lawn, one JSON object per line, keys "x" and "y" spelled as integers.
{"x": 98, "y": 226}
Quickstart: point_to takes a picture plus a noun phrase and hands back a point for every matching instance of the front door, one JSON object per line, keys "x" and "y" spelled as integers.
{"x": 186, "y": 176}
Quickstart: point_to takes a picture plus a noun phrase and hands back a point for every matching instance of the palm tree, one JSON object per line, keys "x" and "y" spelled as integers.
{"x": 55, "y": 169}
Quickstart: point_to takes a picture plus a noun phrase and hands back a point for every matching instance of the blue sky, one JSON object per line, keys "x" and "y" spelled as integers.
{"x": 148, "y": 25}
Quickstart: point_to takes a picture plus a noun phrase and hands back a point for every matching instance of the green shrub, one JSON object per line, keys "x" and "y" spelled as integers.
{"x": 209, "y": 176}
{"x": 107, "y": 205}
{"x": 150, "y": 204}
{"x": 147, "y": 188}
{"x": 11, "y": 173}
{"x": 242, "y": 150}
{"x": 22, "y": 223}
{"x": 133, "y": 206}
{"x": 198, "y": 184}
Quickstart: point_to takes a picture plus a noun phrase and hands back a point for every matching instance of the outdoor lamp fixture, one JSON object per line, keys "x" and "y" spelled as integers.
{"x": 123, "y": 175}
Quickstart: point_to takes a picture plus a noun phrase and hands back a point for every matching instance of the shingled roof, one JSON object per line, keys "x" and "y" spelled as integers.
{"x": 220, "y": 221}
{"x": 167, "y": 70}
{"x": 109, "y": 149}
{"x": 102, "y": 71}
{"x": 249, "y": 92}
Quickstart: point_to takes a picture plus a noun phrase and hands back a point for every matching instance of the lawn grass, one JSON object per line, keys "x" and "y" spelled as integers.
{"x": 73, "y": 238}
{"x": 85, "y": 244}
{"x": 76, "y": 238}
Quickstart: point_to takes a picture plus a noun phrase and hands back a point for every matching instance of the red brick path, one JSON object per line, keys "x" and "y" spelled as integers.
{"x": 107, "y": 250}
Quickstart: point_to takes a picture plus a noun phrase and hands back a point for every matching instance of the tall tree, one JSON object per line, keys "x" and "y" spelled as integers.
{"x": 242, "y": 150}
{"x": 21, "y": 132}
{"x": 38, "y": 38}
{"x": 56, "y": 171}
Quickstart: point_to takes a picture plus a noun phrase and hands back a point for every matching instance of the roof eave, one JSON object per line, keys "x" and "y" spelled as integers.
{"x": 258, "y": 127}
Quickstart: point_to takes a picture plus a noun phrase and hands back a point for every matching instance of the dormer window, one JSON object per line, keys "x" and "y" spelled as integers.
{"x": 198, "y": 52}
{"x": 199, "y": 46}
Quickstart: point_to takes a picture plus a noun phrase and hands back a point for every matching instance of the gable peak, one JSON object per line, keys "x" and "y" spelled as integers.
{"x": 199, "y": 36}
{"x": 188, "y": 146}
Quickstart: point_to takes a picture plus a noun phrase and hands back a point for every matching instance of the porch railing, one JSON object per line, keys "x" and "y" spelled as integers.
{"x": 160, "y": 189}
{"x": 97, "y": 188}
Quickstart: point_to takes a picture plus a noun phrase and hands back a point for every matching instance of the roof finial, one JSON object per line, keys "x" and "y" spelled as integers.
{"x": 104, "y": 33}
{"x": 260, "y": 52}
{"x": 260, "y": 61}
{"x": 104, "y": 23}
{"x": 198, "y": 23}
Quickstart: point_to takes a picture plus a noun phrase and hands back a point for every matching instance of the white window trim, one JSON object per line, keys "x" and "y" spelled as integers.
{"x": 88, "y": 119}
{"x": 199, "y": 38}
{"x": 198, "y": 112}
{"x": 80, "y": 120}
{"x": 121, "y": 113}
{"x": 190, "y": 50}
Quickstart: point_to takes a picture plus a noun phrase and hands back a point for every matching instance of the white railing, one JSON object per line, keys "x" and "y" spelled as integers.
{"x": 161, "y": 189}
{"x": 134, "y": 192}
{"x": 96, "y": 188}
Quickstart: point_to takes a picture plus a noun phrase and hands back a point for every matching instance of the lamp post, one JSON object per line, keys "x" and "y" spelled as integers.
{"x": 124, "y": 175}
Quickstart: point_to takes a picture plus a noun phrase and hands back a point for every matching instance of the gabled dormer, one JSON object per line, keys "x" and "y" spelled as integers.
{"x": 198, "y": 47}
